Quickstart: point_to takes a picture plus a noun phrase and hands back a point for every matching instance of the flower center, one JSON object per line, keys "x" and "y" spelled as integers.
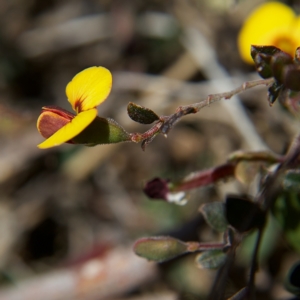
{"x": 286, "y": 44}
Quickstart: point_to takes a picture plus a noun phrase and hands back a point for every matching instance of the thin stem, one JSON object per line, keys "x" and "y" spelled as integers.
{"x": 165, "y": 124}
{"x": 195, "y": 246}
{"x": 138, "y": 137}
{"x": 204, "y": 177}
{"x": 227, "y": 95}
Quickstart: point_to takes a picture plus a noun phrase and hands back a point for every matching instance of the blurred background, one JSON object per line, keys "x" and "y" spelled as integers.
{"x": 69, "y": 215}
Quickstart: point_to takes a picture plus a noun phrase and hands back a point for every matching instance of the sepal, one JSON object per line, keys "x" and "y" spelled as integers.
{"x": 102, "y": 131}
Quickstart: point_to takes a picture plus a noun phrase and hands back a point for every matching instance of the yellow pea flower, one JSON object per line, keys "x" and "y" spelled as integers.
{"x": 85, "y": 92}
{"x": 271, "y": 24}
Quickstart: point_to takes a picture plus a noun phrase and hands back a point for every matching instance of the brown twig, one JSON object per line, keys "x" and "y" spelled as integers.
{"x": 166, "y": 123}
{"x": 194, "y": 108}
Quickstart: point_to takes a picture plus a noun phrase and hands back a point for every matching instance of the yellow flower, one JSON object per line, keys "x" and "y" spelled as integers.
{"x": 85, "y": 92}
{"x": 271, "y": 24}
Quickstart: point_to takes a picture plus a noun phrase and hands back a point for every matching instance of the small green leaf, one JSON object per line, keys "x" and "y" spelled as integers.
{"x": 292, "y": 282}
{"x": 212, "y": 259}
{"x": 102, "y": 131}
{"x": 160, "y": 248}
{"x": 141, "y": 114}
{"x": 291, "y": 180}
{"x": 242, "y": 214}
{"x": 214, "y": 215}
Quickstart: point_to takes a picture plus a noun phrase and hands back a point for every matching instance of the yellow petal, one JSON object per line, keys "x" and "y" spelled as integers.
{"x": 70, "y": 130}
{"x": 89, "y": 88}
{"x": 264, "y": 25}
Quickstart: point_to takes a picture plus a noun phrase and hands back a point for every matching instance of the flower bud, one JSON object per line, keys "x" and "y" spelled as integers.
{"x": 279, "y": 62}
{"x": 161, "y": 189}
{"x": 291, "y": 77}
{"x": 262, "y": 56}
